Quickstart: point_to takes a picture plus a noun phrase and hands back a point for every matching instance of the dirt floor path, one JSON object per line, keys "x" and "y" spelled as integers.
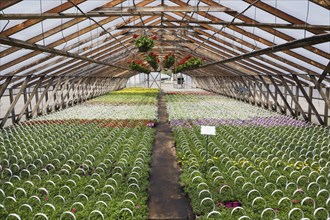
{"x": 167, "y": 199}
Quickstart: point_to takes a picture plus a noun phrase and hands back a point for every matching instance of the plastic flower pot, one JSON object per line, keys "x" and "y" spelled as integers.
{"x": 143, "y": 49}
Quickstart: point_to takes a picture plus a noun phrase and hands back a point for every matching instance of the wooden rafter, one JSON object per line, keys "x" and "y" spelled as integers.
{"x": 8, "y": 3}
{"x": 255, "y": 24}
{"x": 270, "y": 30}
{"x": 117, "y": 11}
{"x": 22, "y": 44}
{"x": 14, "y": 102}
{"x": 282, "y": 15}
{"x": 264, "y": 41}
{"x": 324, "y": 73}
{"x": 323, "y": 3}
{"x": 286, "y": 46}
{"x": 308, "y": 99}
{"x": 31, "y": 22}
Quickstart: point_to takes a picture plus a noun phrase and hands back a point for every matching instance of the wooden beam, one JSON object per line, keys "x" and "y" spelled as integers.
{"x": 249, "y": 45}
{"x": 309, "y": 101}
{"x": 4, "y": 85}
{"x": 282, "y": 96}
{"x": 265, "y": 41}
{"x": 319, "y": 89}
{"x": 117, "y": 11}
{"x": 28, "y": 101}
{"x": 244, "y": 24}
{"x": 322, "y": 3}
{"x": 286, "y": 46}
{"x": 8, "y": 3}
{"x": 31, "y": 22}
{"x": 36, "y": 106}
{"x": 324, "y": 73}
{"x": 161, "y": 27}
{"x": 294, "y": 98}
{"x": 52, "y": 95}
{"x": 13, "y": 104}
{"x": 280, "y": 14}
{"x": 22, "y": 44}
{"x": 163, "y": 8}
{"x": 326, "y": 108}
{"x": 270, "y": 93}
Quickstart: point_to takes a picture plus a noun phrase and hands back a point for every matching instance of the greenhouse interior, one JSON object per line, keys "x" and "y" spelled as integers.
{"x": 154, "y": 109}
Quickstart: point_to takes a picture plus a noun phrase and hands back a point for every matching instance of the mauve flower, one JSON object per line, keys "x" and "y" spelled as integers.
{"x": 46, "y": 198}
{"x": 276, "y": 210}
{"x": 73, "y": 210}
{"x": 295, "y": 201}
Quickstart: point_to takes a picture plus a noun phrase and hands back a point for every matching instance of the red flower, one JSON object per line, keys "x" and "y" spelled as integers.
{"x": 295, "y": 201}
{"x": 203, "y": 58}
{"x": 135, "y": 36}
{"x": 158, "y": 60}
{"x": 154, "y": 37}
{"x": 73, "y": 210}
{"x": 46, "y": 198}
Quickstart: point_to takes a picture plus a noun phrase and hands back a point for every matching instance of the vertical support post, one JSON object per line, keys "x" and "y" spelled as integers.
{"x": 297, "y": 98}
{"x": 26, "y": 101}
{"x": 326, "y": 107}
{"x": 11, "y": 99}
{"x": 310, "y": 94}
{"x": 285, "y": 97}
{"x": 276, "y": 99}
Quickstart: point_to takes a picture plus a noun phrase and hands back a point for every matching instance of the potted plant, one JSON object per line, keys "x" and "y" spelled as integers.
{"x": 144, "y": 43}
{"x": 137, "y": 65}
{"x": 189, "y": 62}
{"x": 153, "y": 60}
{"x": 169, "y": 60}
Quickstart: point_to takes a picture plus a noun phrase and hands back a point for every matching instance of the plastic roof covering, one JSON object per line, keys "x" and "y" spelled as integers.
{"x": 304, "y": 10}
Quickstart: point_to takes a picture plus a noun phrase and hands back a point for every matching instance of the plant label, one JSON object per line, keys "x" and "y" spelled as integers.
{"x": 208, "y": 130}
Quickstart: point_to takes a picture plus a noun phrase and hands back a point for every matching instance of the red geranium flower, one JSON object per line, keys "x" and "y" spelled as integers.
{"x": 73, "y": 210}
{"x": 154, "y": 37}
{"x": 135, "y": 36}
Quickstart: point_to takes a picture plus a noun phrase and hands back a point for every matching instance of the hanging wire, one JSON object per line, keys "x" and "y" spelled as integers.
{"x": 275, "y": 15}
{"x": 253, "y": 30}
{"x": 307, "y": 15}
{"x": 66, "y": 42}
{"x": 252, "y": 4}
{"x": 42, "y": 25}
{"x": 91, "y": 32}
{"x": 121, "y": 12}
{"x": 97, "y": 23}
{"x": 78, "y": 34}
{"x": 139, "y": 14}
{"x": 6, "y": 23}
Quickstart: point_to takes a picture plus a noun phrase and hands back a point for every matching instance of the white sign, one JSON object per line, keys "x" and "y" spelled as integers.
{"x": 208, "y": 130}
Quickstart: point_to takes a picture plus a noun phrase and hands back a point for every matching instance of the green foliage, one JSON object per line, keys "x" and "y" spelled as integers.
{"x": 76, "y": 155}
{"x": 153, "y": 60}
{"x": 145, "y": 42}
{"x": 169, "y": 60}
{"x": 137, "y": 65}
{"x": 189, "y": 62}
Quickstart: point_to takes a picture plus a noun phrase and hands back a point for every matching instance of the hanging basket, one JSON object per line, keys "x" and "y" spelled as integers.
{"x": 143, "y": 49}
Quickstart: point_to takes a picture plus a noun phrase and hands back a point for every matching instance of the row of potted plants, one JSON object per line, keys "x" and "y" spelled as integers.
{"x": 241, "y": 168}
{"x": 187, "y": 107}
{"x": 259, "y": 165}
{"x": 74, "y": 171}
{"x": 130, "y": 103}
